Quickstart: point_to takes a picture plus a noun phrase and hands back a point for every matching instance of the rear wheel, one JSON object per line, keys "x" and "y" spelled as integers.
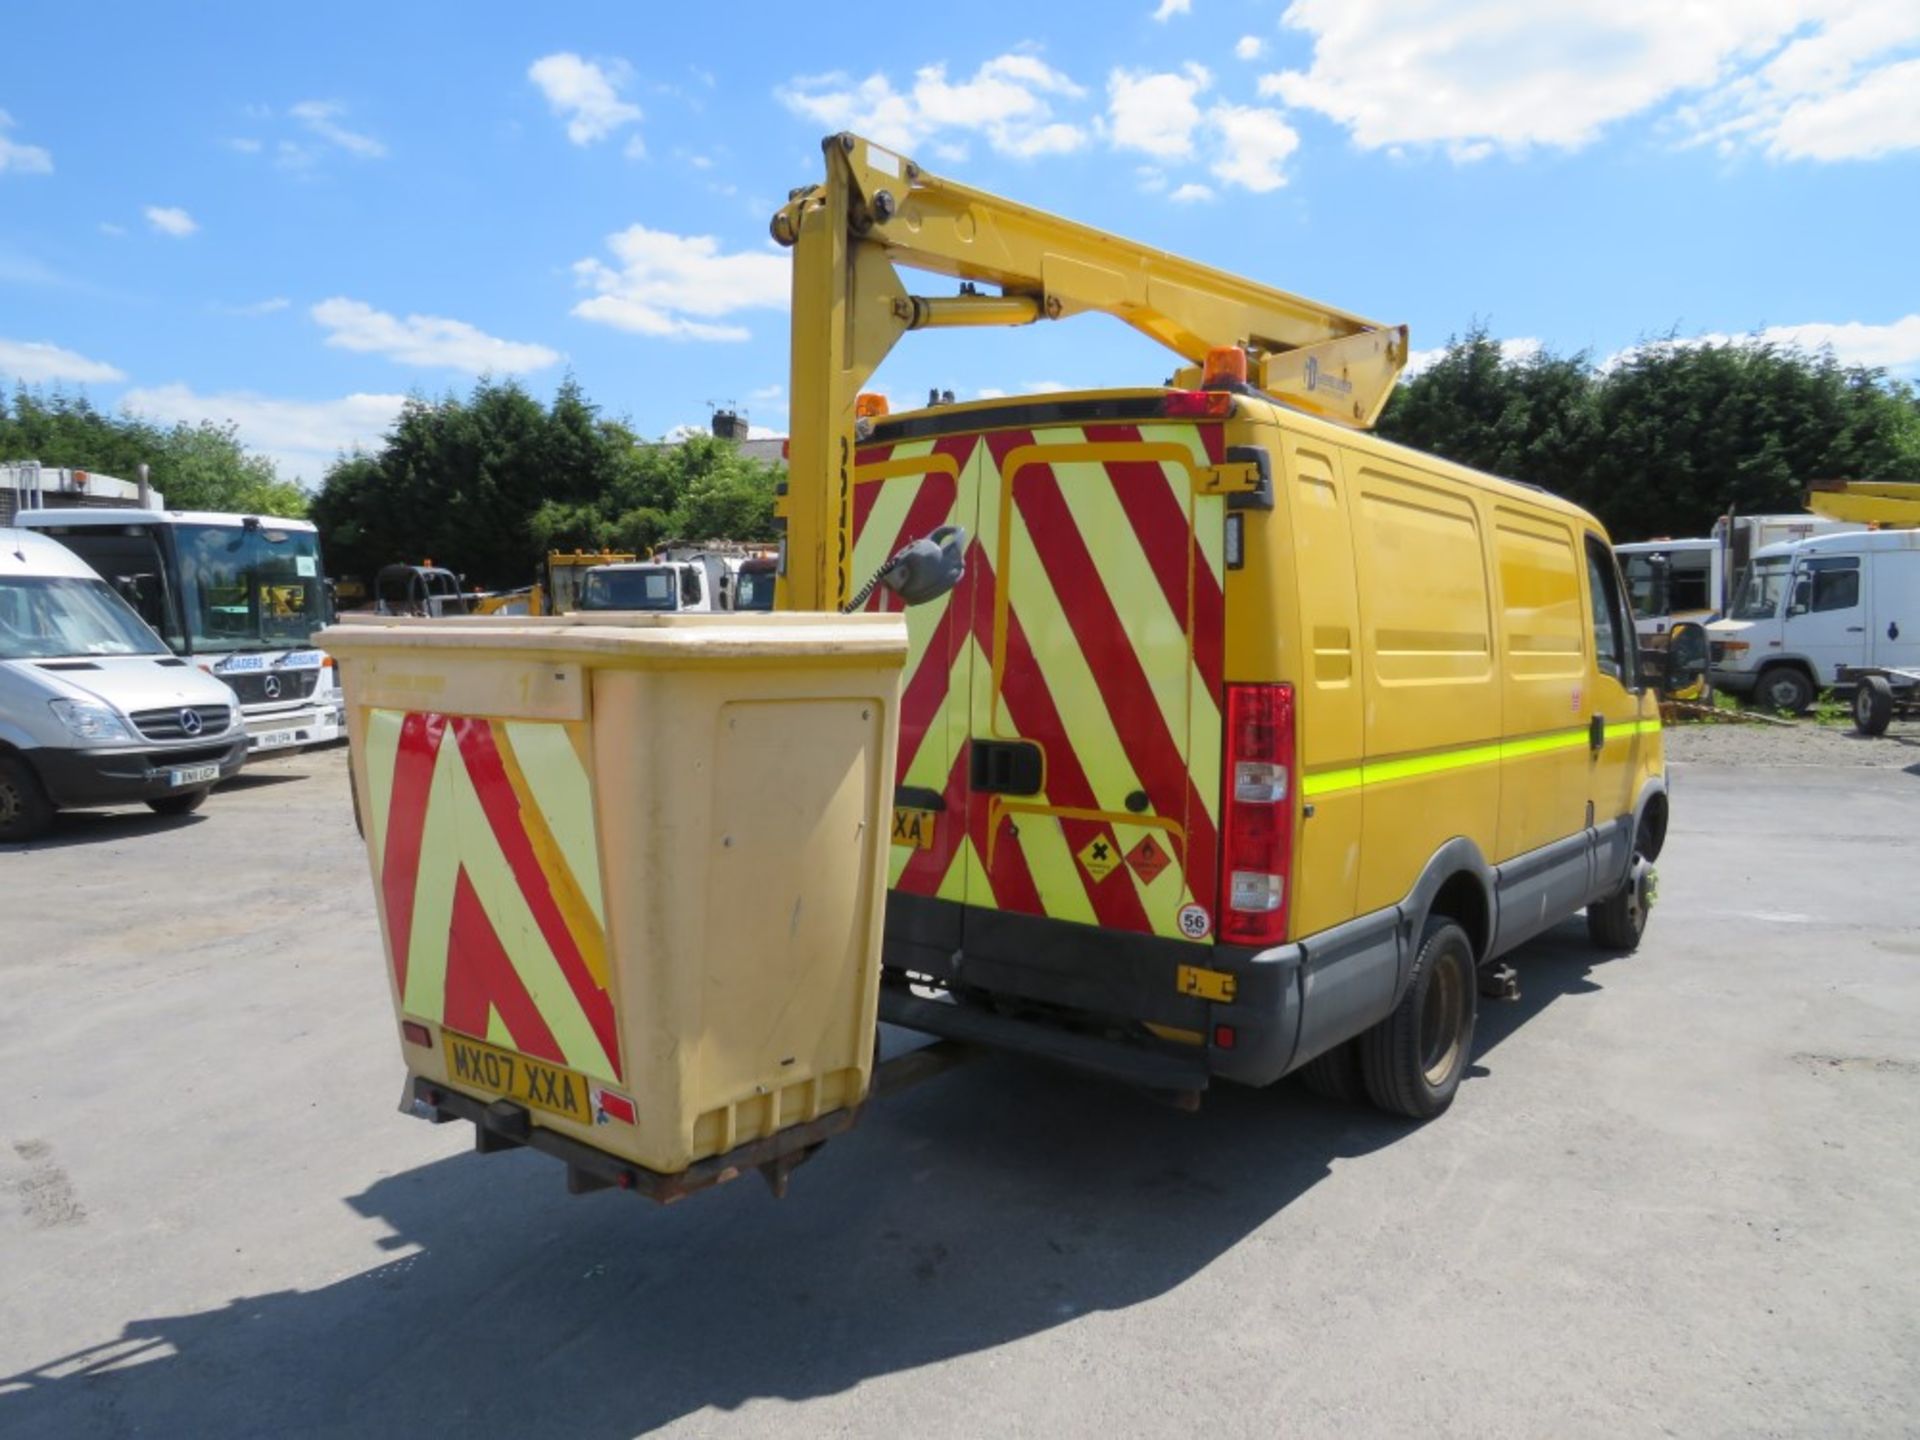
{"x": 1785, "y": 687}
{"x": 1412, "y": 1061}
{"x": 25, "y": 811}
{"x": 1872, "y": 705}
{"x": 1335, "y": 1075}
{"x": 179, "y": 804}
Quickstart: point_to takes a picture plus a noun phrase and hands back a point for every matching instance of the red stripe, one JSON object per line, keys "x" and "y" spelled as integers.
{"x": 1102, "y": 637}
{"x": 502, "y": 807}
{"x": 406, "y": 822}
{"x": 1161, "y": 524}
{"x": 481, "y": 977}
{"x": 922, "y": 701}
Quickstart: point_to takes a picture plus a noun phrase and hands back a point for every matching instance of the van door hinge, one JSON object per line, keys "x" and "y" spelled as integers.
{"x": 1246, "y": 479}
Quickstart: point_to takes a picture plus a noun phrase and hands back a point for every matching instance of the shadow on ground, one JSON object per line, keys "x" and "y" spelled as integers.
{"x": 991, "y": 1204}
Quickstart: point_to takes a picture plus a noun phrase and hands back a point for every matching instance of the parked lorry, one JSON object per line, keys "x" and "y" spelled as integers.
{"x": 1808, "y": 613}
{"x": 94, "y": 709}
{"x": 240, "y": 596}
{"x": 1240, "y": 743}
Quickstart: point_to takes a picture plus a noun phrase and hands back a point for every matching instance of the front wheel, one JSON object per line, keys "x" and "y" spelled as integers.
{"x": 180, "y": 804}
{"x": 25, "y": 811}
{"x": 1785, "y": 687}
{"x": 1412, "y": 1061}
{"x": 1618, "y": 922}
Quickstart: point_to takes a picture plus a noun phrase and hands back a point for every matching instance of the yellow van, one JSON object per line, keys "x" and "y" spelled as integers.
{"x": 1248, "y": 740}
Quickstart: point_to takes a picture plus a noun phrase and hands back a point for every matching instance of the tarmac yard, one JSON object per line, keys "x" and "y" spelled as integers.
{"x": 1677, "y": 1194}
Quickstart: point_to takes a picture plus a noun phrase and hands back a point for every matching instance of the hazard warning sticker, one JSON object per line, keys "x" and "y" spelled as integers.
{"x": 1100, "y": 857}
{"x": 1148, "y": 859}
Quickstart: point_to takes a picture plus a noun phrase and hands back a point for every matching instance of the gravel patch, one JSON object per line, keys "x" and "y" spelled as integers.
{"x": 1805, "y": 743}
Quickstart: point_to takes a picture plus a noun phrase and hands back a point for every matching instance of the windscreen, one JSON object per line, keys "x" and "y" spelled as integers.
{"x": 250, "y": 587}
{"x": 629, "y": 590}
{"x": 131, "y": 559}
{"x": 55, "y": 617}
{"x": 1669, "y": 582}
{"x": 753, "y": 590}
{"x": 1758, "y": 595}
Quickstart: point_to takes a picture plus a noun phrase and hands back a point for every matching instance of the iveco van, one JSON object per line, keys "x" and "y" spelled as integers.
{"x": 94, "y": 708}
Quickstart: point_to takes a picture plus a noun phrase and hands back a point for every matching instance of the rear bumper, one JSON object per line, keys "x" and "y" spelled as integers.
{"x": 75, "y": 779}
{"x": 1110, "y": 983}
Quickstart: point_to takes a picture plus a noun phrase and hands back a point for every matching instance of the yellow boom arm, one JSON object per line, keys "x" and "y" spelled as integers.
{"x": 878, "y": 210}
{"x": 1891, "y": 503}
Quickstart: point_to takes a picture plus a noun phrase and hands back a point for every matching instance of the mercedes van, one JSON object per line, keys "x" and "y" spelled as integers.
{"x": 94, "y": 708}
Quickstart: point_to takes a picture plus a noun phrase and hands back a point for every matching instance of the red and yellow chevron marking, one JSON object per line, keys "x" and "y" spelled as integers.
{"x": 482, "y": 833}
{"x": 1090, "y": 623}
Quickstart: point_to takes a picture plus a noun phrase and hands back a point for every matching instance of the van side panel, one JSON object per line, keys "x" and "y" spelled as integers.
{"x": 1330, "y": 682}
{"x": 1432, "y": 692}
{"x": 1544, "y": 662}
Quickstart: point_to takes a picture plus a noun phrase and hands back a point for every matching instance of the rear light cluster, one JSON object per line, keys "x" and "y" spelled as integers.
{"x": 1196, "y": 404}
{"x": 1257, "y": 815}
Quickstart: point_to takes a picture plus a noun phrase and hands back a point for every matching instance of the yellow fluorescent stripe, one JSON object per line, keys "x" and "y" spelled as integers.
{"x": 377, "y": 755}
{"x": 1375, "y": 772}
{"x": 544, "y": 756}
{"x": 575, "y": 910}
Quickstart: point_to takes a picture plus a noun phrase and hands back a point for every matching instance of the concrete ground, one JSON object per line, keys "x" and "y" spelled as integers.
{"x": 1677, "y": 1196}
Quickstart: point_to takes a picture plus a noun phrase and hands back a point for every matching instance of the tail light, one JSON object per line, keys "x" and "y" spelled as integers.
{"x": 1257, "y": 815}
{"x": 1196, "y": 404}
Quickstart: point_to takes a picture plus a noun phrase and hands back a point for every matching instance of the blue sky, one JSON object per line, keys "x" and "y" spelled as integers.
{"x": 291, "y": 217}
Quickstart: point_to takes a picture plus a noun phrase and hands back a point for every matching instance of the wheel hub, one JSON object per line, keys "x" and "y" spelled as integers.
{"x": 1441, "y": 1021}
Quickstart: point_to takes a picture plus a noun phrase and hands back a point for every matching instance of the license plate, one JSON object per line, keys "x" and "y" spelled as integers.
{"x": 913, "y": 828}
{"x": 517, "y": 1077}
{"x": 193, "y": 775}
{"x": 268, "y": 739}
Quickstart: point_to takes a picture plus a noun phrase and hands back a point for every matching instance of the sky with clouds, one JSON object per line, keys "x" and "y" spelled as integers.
{"x": 291, "y": 218}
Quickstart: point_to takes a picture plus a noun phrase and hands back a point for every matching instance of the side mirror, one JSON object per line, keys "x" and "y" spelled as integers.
{"x": 927, "y": 569}
{"x": 1687, "y": 656}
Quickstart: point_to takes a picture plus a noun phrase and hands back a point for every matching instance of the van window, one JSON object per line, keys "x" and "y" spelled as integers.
{"x": 1835, "y": 583}
{"x": 1610, "y": 629}
{"x": 47, "y": 617}
{"x": 690, "y": 586}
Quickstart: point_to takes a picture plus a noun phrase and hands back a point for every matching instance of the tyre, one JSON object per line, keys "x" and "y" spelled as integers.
{"x": 1618, "y": 922}
{"x": 180, "y": 804}
{"x": 25, "y": 811}
{"x": 1335, "y": 1075}
{"x": 1412, "y": 1061}
{"x": 1872, "y": 705}
{"x": 1785, "y": 687}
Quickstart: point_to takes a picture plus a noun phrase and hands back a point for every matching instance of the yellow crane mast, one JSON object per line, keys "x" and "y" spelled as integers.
{"x": 1887, "y": 503}
{"x": 878, "y": 212}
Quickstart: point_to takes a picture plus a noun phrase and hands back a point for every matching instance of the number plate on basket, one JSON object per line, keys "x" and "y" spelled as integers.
{"x": 517, "y": 1077}
{"x": 913, "y": 827}
{"x": 193, "y": 775}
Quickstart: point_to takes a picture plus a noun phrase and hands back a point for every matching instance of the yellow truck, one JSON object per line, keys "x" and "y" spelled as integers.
{"x": 1247, "y": 744}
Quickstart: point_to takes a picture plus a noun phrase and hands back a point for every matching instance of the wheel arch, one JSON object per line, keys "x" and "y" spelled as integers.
{"x": 1458, "y": 883}
{"x": 1650, "y": 814}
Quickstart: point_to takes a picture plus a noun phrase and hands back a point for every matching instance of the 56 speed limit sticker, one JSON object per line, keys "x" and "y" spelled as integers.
{"x": 1195, "y": 923}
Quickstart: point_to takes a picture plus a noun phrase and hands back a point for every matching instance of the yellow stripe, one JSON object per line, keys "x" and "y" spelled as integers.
{"x": 378, "y": 754}
{"x": 577, "y": 910}
{"x": 1404, "y": 767}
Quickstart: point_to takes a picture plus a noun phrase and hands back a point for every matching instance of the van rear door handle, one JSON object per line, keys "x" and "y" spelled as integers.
{"x": 1006, "y": 767}
{"x": 1856, "y": 629}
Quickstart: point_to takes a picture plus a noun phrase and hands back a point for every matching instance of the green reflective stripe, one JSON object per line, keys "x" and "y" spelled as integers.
{"x": 1377, "y": 772}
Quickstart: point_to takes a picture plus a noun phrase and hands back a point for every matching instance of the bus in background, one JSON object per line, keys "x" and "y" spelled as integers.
{"x": 240, "y": 595}
{"x": 1673, "y": 580}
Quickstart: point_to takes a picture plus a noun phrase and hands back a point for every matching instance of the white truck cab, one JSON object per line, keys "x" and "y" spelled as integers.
{"x": 1804, "y": 611}
{"x": 680, "y": 586}
{"x": 94, "y": 708}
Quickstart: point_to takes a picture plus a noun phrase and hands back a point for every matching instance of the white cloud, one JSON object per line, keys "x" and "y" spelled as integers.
{"x": 664, "y": 281}
{"x": 1254, "y": 143}
{"x": 586, "y": 94}
{"x": 107, "y": 227}
{"x": 428, "y": 340}
{"x": 171, "y": 220}
{"x": 1191, "y": 193}
{"x": 21, "y": 159}
{"x": 302, "y": 437}
{"x": 1516, "y": 351}
{"x": 1249, "y": 47}
{"x": 1006, "y": 100}
{"x": 322, "y": 118}
{"x": 1154, "y": 112}
{"x": 1170, "y": 8}
{"x": 1894, "y": 347}
{"x": 256, "y": 308}
{"x": 1797, "y": 78}
{"x": 34, "y": 362}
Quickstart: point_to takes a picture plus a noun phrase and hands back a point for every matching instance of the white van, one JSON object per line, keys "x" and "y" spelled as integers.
{"x": 94, "y": 708}
{"x": 682, "y": 586}
{"x": 1803, "y": 611}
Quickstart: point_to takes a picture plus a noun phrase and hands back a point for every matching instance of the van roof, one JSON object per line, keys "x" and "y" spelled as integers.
{"x": 24, "y": 553}
{"x": 133, "y": 515}
{"x": 1093, "y": 407}
{"x": 1851, "y": 542}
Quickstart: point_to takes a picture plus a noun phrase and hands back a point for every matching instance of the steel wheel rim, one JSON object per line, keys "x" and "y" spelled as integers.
{"x": 11, "y": 803}
{"x": 1442, "y": 1017}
